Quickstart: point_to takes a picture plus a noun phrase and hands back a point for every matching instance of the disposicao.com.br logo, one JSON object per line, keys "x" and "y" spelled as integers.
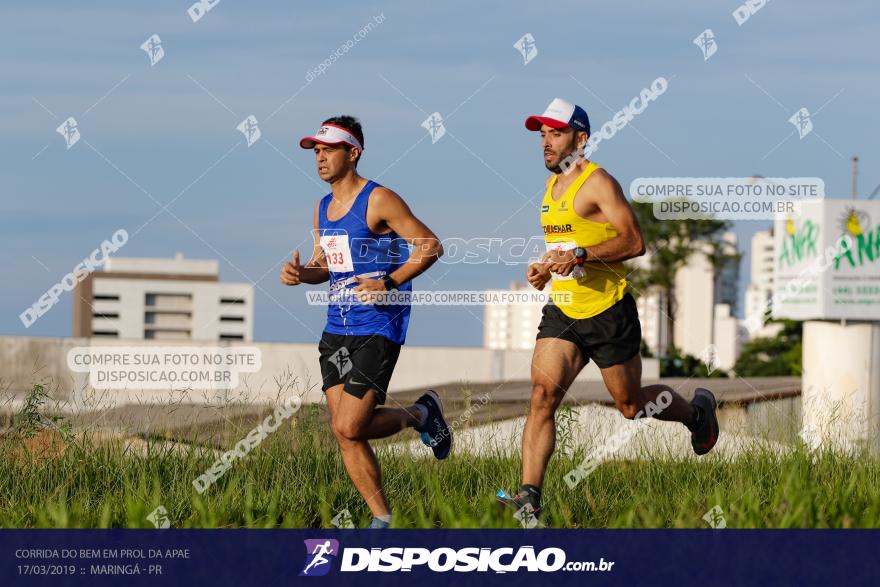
{"x": 321, "y": 552}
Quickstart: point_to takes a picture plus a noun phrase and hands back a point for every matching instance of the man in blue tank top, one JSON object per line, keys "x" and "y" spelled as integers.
{"x": 363, "y": 233}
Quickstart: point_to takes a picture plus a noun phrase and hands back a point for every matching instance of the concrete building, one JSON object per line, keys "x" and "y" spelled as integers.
{"x": 728, "y": 336}
{"x": 760, "y": 289}
{"x": 512, "y": 326}
{"x": 162, "y": 299}
{"x": 705, "y": 304}
{"x": 653, "y": 308}
{"x": 702, "y": 291}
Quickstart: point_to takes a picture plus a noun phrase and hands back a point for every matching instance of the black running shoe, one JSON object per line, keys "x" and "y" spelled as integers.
{"x": 705, "y": 437}
{"x": 435, "y": 433}
{"x": 517, "y": 502}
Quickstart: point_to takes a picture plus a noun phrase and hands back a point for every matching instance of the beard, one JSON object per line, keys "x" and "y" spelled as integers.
{"x": 553, "y": 168}
{"x": 570, "y": 152}
{"x": 550, "y": 165}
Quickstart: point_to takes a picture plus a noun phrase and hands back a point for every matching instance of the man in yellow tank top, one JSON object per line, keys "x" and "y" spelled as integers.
{"x": 590, "y": 229}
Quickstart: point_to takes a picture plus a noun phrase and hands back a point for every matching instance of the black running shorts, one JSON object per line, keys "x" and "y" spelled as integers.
{"x": 609, "y": 338}
{"x": 360, "y": 363}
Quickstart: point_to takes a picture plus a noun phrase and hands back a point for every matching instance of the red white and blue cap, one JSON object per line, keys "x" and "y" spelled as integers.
{"x": 331, "y": 134}
{"x": 559, "y": 114}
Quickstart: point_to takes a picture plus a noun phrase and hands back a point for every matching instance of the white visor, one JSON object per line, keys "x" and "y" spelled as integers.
{"x": 330, "y": 134}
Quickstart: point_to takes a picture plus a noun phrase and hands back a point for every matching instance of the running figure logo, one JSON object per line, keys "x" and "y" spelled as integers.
{"x": 526, "y": 516}
{"x": 319, "y": 553}
{"x": 250, "y": 130}
{"x": 434, "y": 126}
{"x": 715, "y": 518}
{"x": 159, "y": 518}
{"x": 709, "y": 356}
{"x": 802, "y": 122}
{"x": 527, "y": 48}
{"x": 342, "y": 359}
{"x": 153, "y": 48}
{"x": 69, "y": 129}
{"x": 706, "y": 42}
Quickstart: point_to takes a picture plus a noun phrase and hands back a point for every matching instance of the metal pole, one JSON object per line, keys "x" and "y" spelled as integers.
{"x": 855, "y": 176}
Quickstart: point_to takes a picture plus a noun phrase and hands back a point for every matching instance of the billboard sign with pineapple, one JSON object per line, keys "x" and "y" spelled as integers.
{"x": 827, "y": 262}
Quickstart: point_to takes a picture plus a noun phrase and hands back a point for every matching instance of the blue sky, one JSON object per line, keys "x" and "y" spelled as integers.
{"x": 160, "y": 135}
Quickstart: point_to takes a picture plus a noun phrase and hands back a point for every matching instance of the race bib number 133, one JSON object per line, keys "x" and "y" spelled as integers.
{"x": 337, "y": 252}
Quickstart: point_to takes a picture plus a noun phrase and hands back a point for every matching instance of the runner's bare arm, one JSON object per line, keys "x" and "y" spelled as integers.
{"x": 392, "y": 211}
{"x": 314, "y": 271}
{"x": 317, "y": 266}
{"x": 629, "y": 243}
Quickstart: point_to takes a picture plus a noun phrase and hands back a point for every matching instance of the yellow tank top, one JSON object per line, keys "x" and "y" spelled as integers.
{"x": 588, "y": 290}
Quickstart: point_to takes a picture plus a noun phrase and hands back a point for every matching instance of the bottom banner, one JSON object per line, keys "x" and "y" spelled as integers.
{"x": 436, "y": 557}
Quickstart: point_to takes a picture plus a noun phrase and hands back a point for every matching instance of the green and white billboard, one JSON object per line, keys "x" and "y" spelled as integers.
{"x": 827, "y": 262}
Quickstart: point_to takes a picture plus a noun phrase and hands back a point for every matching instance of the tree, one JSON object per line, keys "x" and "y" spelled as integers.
{"x": 674, "y": 364}
{"x": 782, "y": 355}
{"x": 670, "y": 244}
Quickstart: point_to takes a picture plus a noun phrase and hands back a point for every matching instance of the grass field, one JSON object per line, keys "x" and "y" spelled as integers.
{"x": 55, "y": 477}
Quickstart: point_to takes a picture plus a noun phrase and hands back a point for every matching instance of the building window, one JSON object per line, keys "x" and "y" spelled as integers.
{"x": 167, "y": 334}
{"x": 168, "y": 301}
{"x": 173, "y": 320}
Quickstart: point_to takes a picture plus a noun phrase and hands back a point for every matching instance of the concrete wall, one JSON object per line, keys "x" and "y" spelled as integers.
{"x": 28, "y": 360}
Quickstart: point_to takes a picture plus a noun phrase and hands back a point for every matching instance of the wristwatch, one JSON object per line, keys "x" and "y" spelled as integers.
{"x": 580, "y": 255}
{"x": 390, "y": 285}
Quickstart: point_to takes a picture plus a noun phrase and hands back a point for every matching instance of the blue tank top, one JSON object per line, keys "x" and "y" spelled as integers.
{"x": 352, "y": 249}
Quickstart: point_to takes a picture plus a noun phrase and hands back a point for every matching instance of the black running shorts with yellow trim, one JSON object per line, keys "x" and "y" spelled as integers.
{"x": 360, "y": 363}
{"x": 609, "y": 338}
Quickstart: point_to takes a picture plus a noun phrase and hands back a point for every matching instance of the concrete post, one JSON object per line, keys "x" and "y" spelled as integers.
{"x": 841, "y": 385}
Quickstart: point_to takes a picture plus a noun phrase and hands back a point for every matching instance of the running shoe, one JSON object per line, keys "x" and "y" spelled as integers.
{"x": 436, "y": 433}
{"x": 705, "y": 437}
{"x": 378, "y": 524}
